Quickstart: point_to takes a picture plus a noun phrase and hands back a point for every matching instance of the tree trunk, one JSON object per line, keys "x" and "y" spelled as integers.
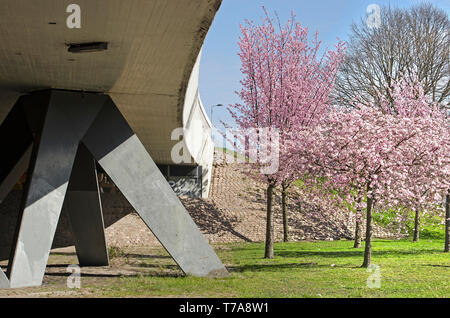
{"x": 358, "y": 230}
{"x": 416, "y": 226}
{"x": 284, "y": 212}
{"x": 368, "y": 247}
{"x": 269, "y": 223}
{"x": 358, "y": 224}
{"x": 447, "y": 223}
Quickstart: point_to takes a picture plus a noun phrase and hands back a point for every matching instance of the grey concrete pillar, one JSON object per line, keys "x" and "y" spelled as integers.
{"x": 130, "y": 167}
{"x": 67, "y": 119}
{"x": 83, "y": 206}
{"x": 4, "y": 283}
{"x": 58, "y": 122}
{"x": 15, "y": 141}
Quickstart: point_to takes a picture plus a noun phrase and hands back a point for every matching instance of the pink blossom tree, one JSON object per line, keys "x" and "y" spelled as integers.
{"x": 429, "y": 175}
{"x": 285, "y": 86}
{"x": 370, "y": 153}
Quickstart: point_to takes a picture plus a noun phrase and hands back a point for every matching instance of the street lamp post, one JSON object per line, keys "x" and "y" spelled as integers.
{"x": 211, "y": 118}
{"x": 212, "y": 107}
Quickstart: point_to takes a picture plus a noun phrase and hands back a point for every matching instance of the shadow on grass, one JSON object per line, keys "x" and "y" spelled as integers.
{"x": 94, "y": 275}
{"x": 140, "y": 274}
{"x": 59, "y": 265}
{"x": 272, "y": 267}
{"x": 159, "y": 266}
{"x": 163, "y": 271}
{"x": 360, "y": 252}
{"x": 436, "y": 265}
{"x": 131, "y": 255}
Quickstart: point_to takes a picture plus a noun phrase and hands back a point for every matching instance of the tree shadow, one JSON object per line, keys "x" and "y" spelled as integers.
{"x": 272, "y": 267}
{"x": 297, "y": 254}
{"x": 340, "y": 254}
{"x": 305, "y": 220}
{"x": 436, "y": 265}
{"x": 320, "y": 224}
{"x": 256, "y": 196}
{"x": 210, "y": 219}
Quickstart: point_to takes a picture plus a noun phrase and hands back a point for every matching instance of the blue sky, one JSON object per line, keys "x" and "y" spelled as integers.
{"x": 219, "y": 70}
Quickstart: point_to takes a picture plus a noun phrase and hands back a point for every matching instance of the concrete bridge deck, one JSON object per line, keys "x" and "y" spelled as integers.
{"x": 150, "y": 68}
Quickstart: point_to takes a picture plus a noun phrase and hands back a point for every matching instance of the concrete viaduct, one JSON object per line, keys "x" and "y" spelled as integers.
{"x": 111, "y": 85}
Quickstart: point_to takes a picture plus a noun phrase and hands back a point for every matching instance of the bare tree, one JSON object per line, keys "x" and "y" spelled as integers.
{"x": 406, "y": 42}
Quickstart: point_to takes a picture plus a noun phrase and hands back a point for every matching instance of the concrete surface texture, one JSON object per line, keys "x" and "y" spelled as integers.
{"x": 197, "y": 130}
{"x": 84, "y": 209}
{"x": 152, "y": 48}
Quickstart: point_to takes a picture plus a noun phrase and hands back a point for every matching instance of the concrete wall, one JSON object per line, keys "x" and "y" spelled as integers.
{"x": 197, "y": 129}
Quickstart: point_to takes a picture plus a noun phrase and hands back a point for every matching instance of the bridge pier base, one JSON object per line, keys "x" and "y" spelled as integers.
{"x": 58, "y": 135}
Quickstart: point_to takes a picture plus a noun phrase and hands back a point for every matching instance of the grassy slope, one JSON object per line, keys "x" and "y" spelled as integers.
{"x": 303, "y": 269}
{"x": 233, "y": 153}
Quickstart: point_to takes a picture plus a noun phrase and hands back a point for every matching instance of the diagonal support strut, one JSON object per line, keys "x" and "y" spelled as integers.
{"x": 68, "y": 116}
{"x": 83, "y": 205}
{"x": 128, "y": 164}
{"x": 76, "y": 129}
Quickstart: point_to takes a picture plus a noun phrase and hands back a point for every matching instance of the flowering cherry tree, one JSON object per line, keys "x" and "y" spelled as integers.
{"x": 286, "y": 85}
{"x": 374, "y": 154}
{"x": 429, "y": 174}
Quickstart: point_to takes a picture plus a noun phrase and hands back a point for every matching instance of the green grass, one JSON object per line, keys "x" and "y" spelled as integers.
{"x": 233, "y": 153}
{"x": 430, "y": 223}
{"x": 302, "y": 269}
{"x": 114, "y": 252}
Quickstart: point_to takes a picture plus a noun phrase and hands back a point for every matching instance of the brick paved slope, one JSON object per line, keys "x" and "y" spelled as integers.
{"x": 235, "y": 211}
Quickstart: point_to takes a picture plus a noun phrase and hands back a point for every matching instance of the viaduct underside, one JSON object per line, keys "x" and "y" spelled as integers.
{"x": 58, "y": 137}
